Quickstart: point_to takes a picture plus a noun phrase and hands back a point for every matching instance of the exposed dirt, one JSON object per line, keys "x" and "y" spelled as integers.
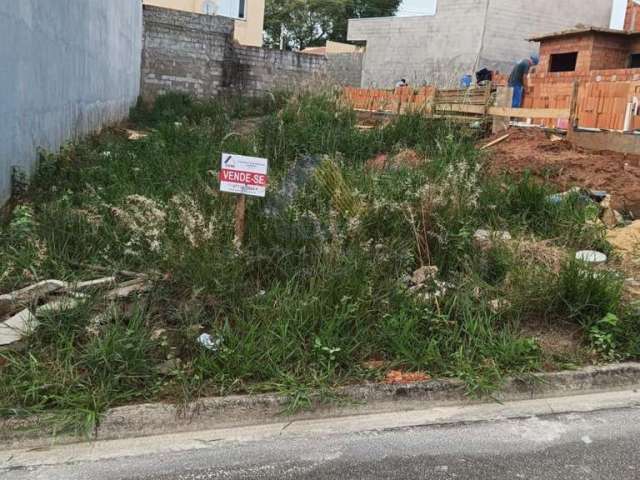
{"x": 561, "y": 341}
{"x": 564, "y": 166}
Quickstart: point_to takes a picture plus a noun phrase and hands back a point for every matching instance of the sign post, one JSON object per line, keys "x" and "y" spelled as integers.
{"x": 243, "y": 176}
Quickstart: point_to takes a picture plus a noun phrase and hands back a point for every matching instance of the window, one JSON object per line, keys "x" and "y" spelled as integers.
{"x": 209, "y": 8}
{"x": 634, "y": 60}
{"x": 563, "y": 62}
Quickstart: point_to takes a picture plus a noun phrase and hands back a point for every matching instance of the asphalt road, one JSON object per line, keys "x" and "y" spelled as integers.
{"x": 598, "y": 439}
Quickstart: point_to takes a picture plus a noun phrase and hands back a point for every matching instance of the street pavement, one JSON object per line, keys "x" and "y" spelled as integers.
{"x": 587, "y": 437}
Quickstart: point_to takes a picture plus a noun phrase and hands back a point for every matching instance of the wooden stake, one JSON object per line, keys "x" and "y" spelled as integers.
{"x": 240, "y": 217}
{"x": 573, "y": 111}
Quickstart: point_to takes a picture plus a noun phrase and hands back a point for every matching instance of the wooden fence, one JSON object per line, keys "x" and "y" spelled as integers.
{"x": 458, "y": 104}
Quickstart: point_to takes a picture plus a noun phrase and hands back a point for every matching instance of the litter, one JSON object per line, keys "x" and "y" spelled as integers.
{"x": 210, "y": 343}
{"x": 16, "y": 327}
{"x": 33, "y": 292}
{"x": 134, "y": 135}
{"x": 592, "y": 257}
{"x": 126, "y": 289}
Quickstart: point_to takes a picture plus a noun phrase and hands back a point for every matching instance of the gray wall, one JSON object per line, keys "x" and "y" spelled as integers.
{"x": 345, "y": 68}
{"x": 67, "y": 67}
{"x": 184, "y": 52}
{"x": 464, "y": 33}
{"x": 196, "y": 54}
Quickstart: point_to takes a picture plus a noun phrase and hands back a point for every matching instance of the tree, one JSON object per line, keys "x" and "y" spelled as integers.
{"x": 305, "y": 23}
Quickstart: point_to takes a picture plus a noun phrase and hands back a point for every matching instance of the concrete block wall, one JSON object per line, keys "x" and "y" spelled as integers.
{"x": 462, "y": 35}
{"x": 345, "y": 68}
{"x": 196, "y": 54}
{"x": 68, "y": 68}
{"x": 254, "y": 71}
{"x": 424, "y": 50}
{"x": 185, "y": 52}
{"x": 511, "y": 22}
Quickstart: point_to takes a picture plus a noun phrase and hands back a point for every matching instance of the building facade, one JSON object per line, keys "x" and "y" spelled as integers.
{"x": 462, "y": 37}
{"x": 248, "y": 15}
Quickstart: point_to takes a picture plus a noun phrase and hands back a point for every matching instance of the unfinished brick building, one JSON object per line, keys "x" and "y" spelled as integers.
{"x": 606, "y": 63}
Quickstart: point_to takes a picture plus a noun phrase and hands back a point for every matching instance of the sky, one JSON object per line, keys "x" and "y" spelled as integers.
{"x": 428, "y": 7}
{"x": 417, "y": 7}
{"x": 619, "y": 9}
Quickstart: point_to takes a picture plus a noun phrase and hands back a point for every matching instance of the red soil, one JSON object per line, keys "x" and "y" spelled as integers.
{"x": 564, "y": 166}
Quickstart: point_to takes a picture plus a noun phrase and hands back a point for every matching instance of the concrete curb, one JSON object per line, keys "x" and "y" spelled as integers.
{"x": 236, "y": 411}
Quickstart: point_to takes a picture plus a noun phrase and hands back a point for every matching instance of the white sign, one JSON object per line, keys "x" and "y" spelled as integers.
{"x": 244, "y": 175}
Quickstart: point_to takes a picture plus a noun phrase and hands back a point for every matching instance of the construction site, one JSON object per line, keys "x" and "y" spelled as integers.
{"x": 255, "y": 224}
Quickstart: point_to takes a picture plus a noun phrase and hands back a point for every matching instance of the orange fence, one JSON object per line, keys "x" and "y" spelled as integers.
{"x": 600, "y": 104}
{"x": 392, "y": 101}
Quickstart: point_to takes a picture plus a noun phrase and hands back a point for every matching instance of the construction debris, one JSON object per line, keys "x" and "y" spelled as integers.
{"x": 135, "y": 135}
{"x": 495, "y": 142}
{"x": 127, "y": 289}
{"x": 398, "y": 377}
{"x": 18, "y": 326}
{"x": 30, "y": 294}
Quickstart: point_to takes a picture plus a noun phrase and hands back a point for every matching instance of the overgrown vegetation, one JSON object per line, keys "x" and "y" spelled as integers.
{"x": 322, "y": 284}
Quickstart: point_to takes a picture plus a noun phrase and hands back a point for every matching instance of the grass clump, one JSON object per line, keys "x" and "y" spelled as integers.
{"x": 323, "y": 283}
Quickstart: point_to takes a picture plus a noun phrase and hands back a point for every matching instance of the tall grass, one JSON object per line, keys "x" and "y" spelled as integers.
{"x": 321, "y": 284}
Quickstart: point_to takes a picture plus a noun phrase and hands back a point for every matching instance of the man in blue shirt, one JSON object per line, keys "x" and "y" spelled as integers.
{"x": 516, "y": 79}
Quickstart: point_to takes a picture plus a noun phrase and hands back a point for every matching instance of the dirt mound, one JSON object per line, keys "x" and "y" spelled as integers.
{"x": 532, "y": 150}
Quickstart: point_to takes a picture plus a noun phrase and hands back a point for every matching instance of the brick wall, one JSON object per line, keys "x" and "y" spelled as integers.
{"x": 583, "y": 44}
{"x": 632, "y": 20}
{"x": 196, "y": 54}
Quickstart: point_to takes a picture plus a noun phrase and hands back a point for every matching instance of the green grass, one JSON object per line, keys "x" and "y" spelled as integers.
{"x": 319, "y": 286}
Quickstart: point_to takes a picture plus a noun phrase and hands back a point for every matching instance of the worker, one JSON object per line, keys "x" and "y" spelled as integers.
{"x": 516, "y": 79}
{"x": 402, "y": 83}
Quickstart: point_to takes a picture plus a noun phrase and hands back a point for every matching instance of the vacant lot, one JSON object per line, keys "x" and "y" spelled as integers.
{"x": 351, "y": 267}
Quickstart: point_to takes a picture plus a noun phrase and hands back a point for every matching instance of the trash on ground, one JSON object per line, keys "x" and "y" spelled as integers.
{"x": 127, "y": 289}
{"x": 209, "y": 342}
{"x": 625, "y": 240}
{"x": 398, "y": 377}
{"x": 135, "y": 135}
{"x": 18, "y": 326}
{"x": 33, "y": 292}
{"x": 495, "y": 142}
{"x": 592, "y": 257}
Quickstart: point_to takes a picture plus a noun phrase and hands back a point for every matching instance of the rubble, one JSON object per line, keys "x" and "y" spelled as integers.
{"x": 18, "y": 326}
